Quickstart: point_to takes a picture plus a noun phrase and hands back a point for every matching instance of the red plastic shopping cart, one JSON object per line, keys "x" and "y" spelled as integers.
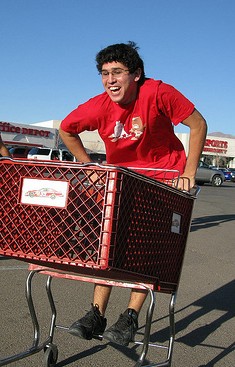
{"x": 101, "y": 224}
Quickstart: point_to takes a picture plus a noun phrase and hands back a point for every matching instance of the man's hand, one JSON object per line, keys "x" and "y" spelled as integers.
{"x": 186, "y": 183}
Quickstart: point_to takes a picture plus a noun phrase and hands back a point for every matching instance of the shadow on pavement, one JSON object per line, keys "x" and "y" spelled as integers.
{"x": 210, "y": 221}
{"x": 129, "y": 352}
{"x": 225, "y": 352}
{"x": 81, "y": 355}
{"x": 222, "y": 301}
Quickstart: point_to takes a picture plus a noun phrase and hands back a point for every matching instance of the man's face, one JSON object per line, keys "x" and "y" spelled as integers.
{"x": 120, "y": 85}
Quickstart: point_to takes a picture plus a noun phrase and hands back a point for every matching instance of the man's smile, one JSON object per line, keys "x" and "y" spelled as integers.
{"x": 114, "y": 89}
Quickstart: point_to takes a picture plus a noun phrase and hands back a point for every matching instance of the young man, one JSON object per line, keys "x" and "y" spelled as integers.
{"x": 134, "y": 118}
{"x": 4, "y": 152}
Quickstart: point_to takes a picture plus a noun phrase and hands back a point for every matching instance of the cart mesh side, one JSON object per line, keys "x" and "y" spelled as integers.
{"x": 119, "y": 221}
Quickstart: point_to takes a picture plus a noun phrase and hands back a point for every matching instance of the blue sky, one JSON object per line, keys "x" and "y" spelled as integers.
{"x": 48, "y": 48}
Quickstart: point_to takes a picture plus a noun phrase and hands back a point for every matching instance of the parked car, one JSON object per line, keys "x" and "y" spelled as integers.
{"x": 19, "y": 152}
{"x": 232, "y": 170}
{"x": 205, "y": 174}
{"x": 227, "y": 173}
{"x": 47, "y": 154}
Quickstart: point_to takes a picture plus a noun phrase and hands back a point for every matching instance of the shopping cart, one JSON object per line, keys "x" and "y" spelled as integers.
{"x": 100, "y": 224}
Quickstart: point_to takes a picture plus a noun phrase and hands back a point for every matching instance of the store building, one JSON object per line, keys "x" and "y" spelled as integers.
{"x": 219, "y": 149}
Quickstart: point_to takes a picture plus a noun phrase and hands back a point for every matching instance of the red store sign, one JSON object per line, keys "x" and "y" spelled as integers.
{"x": 216, "y": 146}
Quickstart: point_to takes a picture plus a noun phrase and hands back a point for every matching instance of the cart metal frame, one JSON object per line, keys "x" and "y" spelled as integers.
{"x": 50, "y": 349}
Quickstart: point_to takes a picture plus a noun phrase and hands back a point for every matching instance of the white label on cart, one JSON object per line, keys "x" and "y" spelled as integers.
{"x": 176, "y": 221}
{"x": 51, "y": 193}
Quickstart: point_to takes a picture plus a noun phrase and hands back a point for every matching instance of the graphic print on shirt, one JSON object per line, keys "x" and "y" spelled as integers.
{"x": 136, "y": 130}
{"x": 119, "y": 132}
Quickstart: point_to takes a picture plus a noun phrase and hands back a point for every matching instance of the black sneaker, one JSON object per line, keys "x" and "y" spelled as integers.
{"x": 90, "y": 326}
{"x": 124, "y": 330}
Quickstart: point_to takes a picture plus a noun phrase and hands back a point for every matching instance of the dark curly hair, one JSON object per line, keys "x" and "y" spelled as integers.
{"x": 127, "y": 54}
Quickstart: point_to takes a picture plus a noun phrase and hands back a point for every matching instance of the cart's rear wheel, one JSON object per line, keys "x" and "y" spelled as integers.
{"x": 51, "y": 355}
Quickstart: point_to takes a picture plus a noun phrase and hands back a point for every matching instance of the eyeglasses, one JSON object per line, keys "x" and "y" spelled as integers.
{"x": 117, "y": 72}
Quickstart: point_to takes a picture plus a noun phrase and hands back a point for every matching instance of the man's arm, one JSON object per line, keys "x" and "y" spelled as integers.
{"x": 75, "y": 146}
{"x": 198, "y": 130}
{"x": 3, "y": 149}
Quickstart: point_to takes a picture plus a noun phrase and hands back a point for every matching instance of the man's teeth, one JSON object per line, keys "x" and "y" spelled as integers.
{"x": 114, "y": 88}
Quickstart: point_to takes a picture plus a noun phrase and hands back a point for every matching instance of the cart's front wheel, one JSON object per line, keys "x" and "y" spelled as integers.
{"x": 51, "y": 355}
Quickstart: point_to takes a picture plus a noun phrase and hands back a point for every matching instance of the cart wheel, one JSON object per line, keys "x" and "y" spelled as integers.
{"x": 51, "y": 355}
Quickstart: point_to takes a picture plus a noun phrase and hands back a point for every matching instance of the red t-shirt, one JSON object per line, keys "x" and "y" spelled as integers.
{"x": 141, "y": 133}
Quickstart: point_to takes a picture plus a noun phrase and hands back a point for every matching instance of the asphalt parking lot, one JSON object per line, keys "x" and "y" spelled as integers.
{"x": 205, "y": 307}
